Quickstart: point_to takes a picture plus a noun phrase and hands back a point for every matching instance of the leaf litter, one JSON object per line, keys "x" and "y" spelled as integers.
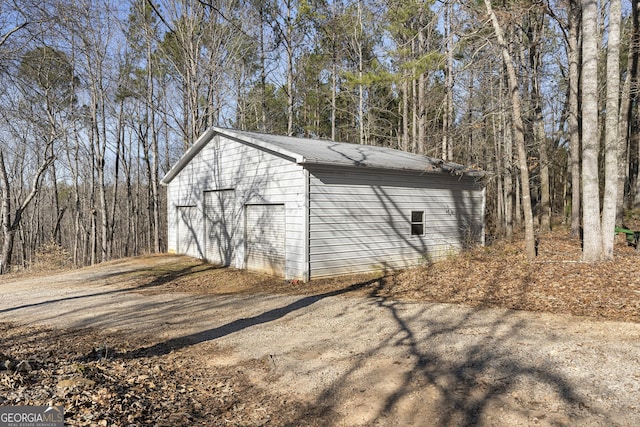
{"x": 105, "y": 378}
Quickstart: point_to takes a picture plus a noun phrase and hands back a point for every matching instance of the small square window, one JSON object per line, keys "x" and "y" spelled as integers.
{"x": 417, "y": 223}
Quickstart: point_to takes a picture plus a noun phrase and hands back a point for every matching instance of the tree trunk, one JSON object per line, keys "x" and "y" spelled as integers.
{"x": 154, "y": 181}
{"x": 334, "y": 91}
{"x": 422, "y": 101}
{"x": 536, "y": 36}
{"x": 289, "y": 45}
{"x": 5, "y": 211}
{"x": 9, "y": 225}
{"x": 592, "y": 236}
{"x": 572, "y": 120}
{"x": 262, "y": 119}
{"x": 611, "y": 150}
{"x": 508, "y": 180}
{"x": 518, "y": 134}
{"x": 414, "y": 108}
{"x": 358, "y": 41}
{"x": 405, "y": 114}
{"x": 626, "y": 109}
{"x": 447, "y": 117}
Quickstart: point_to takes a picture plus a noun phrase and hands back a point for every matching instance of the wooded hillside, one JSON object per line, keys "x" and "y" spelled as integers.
{"x": 99, "y": 98}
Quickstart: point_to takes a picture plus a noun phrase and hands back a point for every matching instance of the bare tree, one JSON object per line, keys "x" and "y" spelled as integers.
{"x": 10, "y": 224}
{"x": 572, "y": 120}
{"x": 518, "y": 133}
{"x": 447, "y": 122}
{"x": 536, "y": 28}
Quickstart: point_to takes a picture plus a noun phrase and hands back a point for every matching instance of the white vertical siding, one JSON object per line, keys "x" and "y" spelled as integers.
{"x": 360, "y": 220}
{"x": 257, "y": 177}
{"x": 219, "y": 207}
{"x": 265, "y": 234}
{"x": 186, "y": 237}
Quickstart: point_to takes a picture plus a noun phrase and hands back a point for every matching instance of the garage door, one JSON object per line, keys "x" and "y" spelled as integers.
{"x": 265, "y": 237}
{"x": 187, "y": 236}
{"x": 218, "y": 215}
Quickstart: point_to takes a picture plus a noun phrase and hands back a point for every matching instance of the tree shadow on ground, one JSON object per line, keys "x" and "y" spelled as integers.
{"x": 469, "y": 379}
{"x": 240, "y": 324}
{"x": 157, "y": 281}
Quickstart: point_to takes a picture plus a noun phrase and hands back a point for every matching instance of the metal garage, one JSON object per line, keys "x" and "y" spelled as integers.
{"x": 308, "y": 208}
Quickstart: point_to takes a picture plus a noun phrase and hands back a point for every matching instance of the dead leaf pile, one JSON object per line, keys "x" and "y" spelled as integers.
{"x": 556, "y": 282}
{"x": 102, "y": 381}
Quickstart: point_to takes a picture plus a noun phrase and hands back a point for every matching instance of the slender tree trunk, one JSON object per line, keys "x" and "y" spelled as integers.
{"x": 518, "y": 133}
{"x": 262, "y": 122}
{"x": 414, "y": 108}
{"x": 100, "y": 152}
{"x": 506, "y": 160}
{"x": 290, "y": 46}
{"x": 334, "y": 91}
{"x": 497, "y": 147}
{"x": 154, "y": 181}
{"x": 612, "y": 141}
{"x": 57, "y": 211}
{"x": 592, "y": 236}
{"x": 5, "y": 211}
{"x": 572, "y": 120}
{"x": 447, "y": 118}
{"x": 536, "y": 32}
{"x": 509, "y": 195}
{"x": 116, "y": 179}
{"x": 422, "y": 100}
{"x": 93, "y": 233}
{"x": 358, "y": 41}
{"x": 623, "y": 135}
{"x": 626, "y": 109}
{"x": 405, "y": 114}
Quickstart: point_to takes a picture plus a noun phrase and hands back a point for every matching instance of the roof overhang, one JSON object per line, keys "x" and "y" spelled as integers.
{"x": 446, "y": 168}
{"x": 433, "y": 167}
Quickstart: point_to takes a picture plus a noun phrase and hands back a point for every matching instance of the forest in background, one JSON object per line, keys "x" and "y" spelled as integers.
{"x": 99, "y": 98}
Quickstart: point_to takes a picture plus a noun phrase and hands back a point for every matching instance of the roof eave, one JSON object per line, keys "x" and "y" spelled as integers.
{"x": 437, "y": 170}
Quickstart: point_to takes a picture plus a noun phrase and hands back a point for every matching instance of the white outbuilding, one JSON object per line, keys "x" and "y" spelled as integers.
{"x": 305, "y": 208}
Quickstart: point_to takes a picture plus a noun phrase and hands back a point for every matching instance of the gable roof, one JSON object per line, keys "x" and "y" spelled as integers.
{"x": 307, "y": 151}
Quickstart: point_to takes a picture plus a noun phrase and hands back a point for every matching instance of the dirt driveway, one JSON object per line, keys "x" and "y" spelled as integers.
{"x": 366, "y": 361}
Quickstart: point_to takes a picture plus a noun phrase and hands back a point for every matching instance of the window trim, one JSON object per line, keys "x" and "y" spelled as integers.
{"x": 417, "y": 223}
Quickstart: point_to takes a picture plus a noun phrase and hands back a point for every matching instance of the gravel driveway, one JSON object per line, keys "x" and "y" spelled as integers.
{"x": 372, "y": 361}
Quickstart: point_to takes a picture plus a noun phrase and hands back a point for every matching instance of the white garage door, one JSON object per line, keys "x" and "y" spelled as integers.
{"x": 218, "y": 215}
{"x": 187, "y": 236}
{"x": 265, "y": 228}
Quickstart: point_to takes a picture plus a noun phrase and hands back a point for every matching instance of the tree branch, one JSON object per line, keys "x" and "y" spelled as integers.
{"x": 6, "y": 36}
{"x": 35, "y": 187}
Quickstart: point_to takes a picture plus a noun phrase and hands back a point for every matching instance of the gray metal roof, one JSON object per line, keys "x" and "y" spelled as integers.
{"x": 307, "y": 151}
